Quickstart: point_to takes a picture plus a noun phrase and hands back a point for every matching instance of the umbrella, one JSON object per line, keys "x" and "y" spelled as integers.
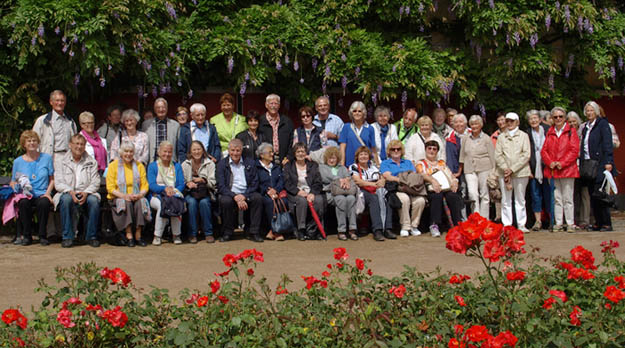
{"x": 317, "y": 220}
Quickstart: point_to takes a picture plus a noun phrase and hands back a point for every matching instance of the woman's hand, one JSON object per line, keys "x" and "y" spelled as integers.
{"x": 212, "y": 158}
{"x": 380, "y": 183}
{"x": 436, "y": 186}
{"x": 285, "y": 161}
{"x": 454, "y": 186}
{"x": 271, "y": 192}
{"x": 310, "y": 198}
{"x": 302, "y": 193}
{"x": 47, "y": 195}
{"x": 191, "y": 185}
{"x": 199, "y": 180}
{"x": 169, "y": 191}
{"x": 344, "y": 183}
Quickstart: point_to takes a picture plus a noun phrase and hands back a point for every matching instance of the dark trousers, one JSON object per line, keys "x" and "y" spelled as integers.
{"x": 25, "y": 207}
{"x": 373, "y": 203}
{"x": 600, "y": 210}
{"x": 304, "y": 220}
{"x": 454, "y": 202}
{"x": 230, "y": 210}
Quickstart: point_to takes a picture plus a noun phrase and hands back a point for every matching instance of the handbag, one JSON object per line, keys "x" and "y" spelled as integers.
{"x": 602, "y": 194}
{"x": 360, "y": 202}
{"x": 281, "y": 222}
{"x": 200, "y": 192}
{"x": 336, "y": 189}
{"x": 172, "y": 206}
{"x": 588, "y": 169}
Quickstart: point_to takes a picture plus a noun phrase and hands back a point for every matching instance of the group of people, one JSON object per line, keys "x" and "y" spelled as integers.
{"x": 238, "y": 171}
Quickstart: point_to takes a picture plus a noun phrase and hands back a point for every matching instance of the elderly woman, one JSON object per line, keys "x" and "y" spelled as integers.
{"x": 129, "y": 133}
{"x": 127, "y": 185}
{"x": 501, "y": 127}
{"x": 390, "y": 169}
{"x": 182, "y": 115}
{"x": 512, "y": 156}
{"x": 477, "y": 155}
{"x": 307, "y": 133}
{"x": 442, "y": 184}
{"x": 201, "y": 130}
{"x": 367, "y": 176}
{"x": 303, "y": 184}
{"x": 228, "y": 123}
{"x": 540, "y": 189}
{"x": 96, "y": 146}
{"x": 384, "y": 131}
{"x": 559, "y": 153}
{"x": 356, "y": 134}
{"x": 166, "y": 179}
{"x": 415, "y": 147}
{"x": 271, "y": 182}
{"x": 344, "y": 204}
{"x": 573, "y": 119}
{"x": 251, "y": 138}
{"x": 199, "y": 177}
{"x": 32, "y": 177}
{"x": 596, "y": 152}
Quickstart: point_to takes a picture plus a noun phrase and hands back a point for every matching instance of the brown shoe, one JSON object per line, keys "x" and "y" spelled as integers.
{"x": 193, "y": 240}
{"x": 210, "y": 239}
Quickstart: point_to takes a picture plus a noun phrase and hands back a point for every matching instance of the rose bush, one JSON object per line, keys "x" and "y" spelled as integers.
{"x": 521, "y": 300}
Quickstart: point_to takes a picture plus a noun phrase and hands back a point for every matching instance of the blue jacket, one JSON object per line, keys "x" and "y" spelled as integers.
{"x": 533, "y": 146}
{"x": 224, "y": 177}
{"x": 156, "y": 189}
{"x": 452, "y": 152}
{"x": 315, "y": 138}
{"x": 275, "y": 181}
{"x": 184, "y": 142}
{"x": 600, "y": 145}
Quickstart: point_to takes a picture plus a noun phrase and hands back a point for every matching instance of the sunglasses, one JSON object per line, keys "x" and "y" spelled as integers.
{"x": 182, "y": 114}
{"x": 306, "y": 116}
{"x": 557, "y": 117}
{"x": 396, "y": 149}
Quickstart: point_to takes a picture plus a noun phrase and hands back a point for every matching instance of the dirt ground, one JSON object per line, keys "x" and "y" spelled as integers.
{"x": 192, "y": 266}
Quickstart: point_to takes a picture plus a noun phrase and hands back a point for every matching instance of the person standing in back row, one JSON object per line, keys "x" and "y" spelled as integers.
{"x": 276, "y": 129}
{"x": 160, "y": 128}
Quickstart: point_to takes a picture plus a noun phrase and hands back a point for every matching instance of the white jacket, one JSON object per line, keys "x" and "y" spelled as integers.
{"x": 43, "y": 128}
{"x": 206, "y": 171}
{"x": 415, "y": 147}
{"x": 66, "y": 179}
{"x": 390, "y": 135}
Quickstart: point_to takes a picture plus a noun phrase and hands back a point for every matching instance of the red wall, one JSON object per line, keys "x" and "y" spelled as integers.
{"x": 614, "y": 108}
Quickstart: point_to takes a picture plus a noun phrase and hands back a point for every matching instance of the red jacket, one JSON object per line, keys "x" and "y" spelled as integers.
{"x": 563, "y": 149}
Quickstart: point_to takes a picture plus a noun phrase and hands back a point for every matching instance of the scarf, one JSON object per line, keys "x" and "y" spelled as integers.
{"x": 452, "y": 138}
{"x": 440, "y": 130}
{"x": 99, "y": 152}
{"x": 274, "y": 122}
{"x": 539, "y": 140}
{"x": 120, "y": 204}
{"x": 383, "y": 133}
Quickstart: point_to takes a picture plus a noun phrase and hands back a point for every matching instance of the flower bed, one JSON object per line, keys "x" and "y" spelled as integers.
{"x": 564, "y": 302}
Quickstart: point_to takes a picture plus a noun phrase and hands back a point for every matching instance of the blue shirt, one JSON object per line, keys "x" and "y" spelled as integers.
{"x": 349, "y": 138}
{"x": 239, "y": 184}
{"x": 38, "y": 172}
{"x": 390, "y": 166}
{"x": 200, "y": 134}
{"x": 334, "y": 124}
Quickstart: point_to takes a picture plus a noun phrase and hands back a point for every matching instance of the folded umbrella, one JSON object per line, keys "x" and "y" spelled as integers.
{"x": 317, "y": 220}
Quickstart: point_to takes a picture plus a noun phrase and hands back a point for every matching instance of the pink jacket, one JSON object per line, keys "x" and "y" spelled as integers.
{"x": 563, "y": 149}
{"x": 10, "y": 211}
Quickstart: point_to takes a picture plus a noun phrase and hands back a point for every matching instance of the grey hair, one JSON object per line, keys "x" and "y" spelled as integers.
{"x": 165, "y": 143}
{"x": 128, "y": 113}
{"x": 57, "y": 91}
{"x": 558, "y": 108}
{"x": 85, "y": 116}
{"x": 272, "y": 96}
{"x": 544, "y": 114}
{"x": 575, "y": 116}
{"x": 127, "y": 146}
{"x": 460, "y": 116}
{"x": 381, "y": 110}
{"x": 357, "y": 104}
{"x": 197, "y": 107}
{"x": 262, "y": 147}
{"x": 595, "y": 106}
{"x": 322, "y": 97}
{"x": 235, "y": 143}
{"x": 476, "y": 118}
{"x": 533, "y": 112}
{"x": 161, "y": 99}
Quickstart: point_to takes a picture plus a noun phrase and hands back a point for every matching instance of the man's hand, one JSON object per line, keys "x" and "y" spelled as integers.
{"x": 344, "y": 183}
{"x": 241, "y": 203}
{"x": 331, "y": 135}
{"x": 191, "y": 185}
{"x": 285, "y": 161}
{"x": 47, "y": 195}
{"x": 74, "y": 198}
{"x": 271, "y": 192}
{"x": 83, "y": 198}
{"x": 553, "y": 164}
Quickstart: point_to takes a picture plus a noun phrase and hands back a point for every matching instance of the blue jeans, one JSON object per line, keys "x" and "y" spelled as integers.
{"x": 205, "y": 214}
{"x": 68, "y": 209}
{"x": 541, "y": 196}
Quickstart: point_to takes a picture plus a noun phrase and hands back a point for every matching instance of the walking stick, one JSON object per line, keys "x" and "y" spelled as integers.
{"x": 317, "y": 220}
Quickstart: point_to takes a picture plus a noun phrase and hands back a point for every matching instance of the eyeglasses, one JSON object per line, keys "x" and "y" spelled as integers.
{"x": 557, "y": 117}
{"x": 396, "y": 149}
{"x": 182, "y": 114}
{"x": 306, "y": 116}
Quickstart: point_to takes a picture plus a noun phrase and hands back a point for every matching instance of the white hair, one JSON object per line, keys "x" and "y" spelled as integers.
{"x": 593, "y": 105}
{"x": 558, "y": 108}
{"x": 197, "y": 107}
{"x": 85, "y": 116}
{"x": 575, "y": 116}
{"x": 459, "y": 116}
{"x": 533, "y": 112}
{"x": 357, "y": 104}
{"x": 161, "y": 99}
{"x": 381, "y": 110}
{"x": 476, "y": 118}
{"x": 262, "y": 148}
{"x": 128, "y": 113}
{"x": 322, "y": 97}
{"x": 127, "y": 146}
{"x": 163, "y": 144}
{"x": 272, "y": 96}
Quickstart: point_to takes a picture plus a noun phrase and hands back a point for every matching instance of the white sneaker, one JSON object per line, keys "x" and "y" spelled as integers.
{"x": 523, "y": 229}
{"x": 156, "y": 241}
{"x": 434, "y": 231}
{"x": 415, "y": 232}
{"x": 404, "y": 233}
{"x": 177, "y": 240}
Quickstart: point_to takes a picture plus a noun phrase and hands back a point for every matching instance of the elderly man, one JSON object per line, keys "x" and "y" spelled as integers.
{"x": 278, "y": 130}
{"x": 438, "y": 123}
{"x": 77, "y": 182}
{"x": 201, "y": 130}
{"x": 160, "y": 128}
{"x": 330, "y": 123}
{"x": 111, "y": 127}
{"x": 55, "y": 128}
{"x": 453, "y": 142}
{"x": 407, "y": 126}
{"x": 237, "y": 185}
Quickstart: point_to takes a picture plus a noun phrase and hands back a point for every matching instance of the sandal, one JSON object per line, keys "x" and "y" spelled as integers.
{"x": 342, "y": 236}
{"x": 353, "y": 235}
{"x": 270, "y": 236}
{"x": 279, "y": 237}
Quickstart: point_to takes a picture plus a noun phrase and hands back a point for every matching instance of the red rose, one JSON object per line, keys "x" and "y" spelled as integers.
{"x": 19, "y": 341}
{"x": 398, "y": 291}
{"x": 519, "y": 275}
{"x": 607, "y": 306}
{"x": 65, "y": 318}
{"x": 250, "y": 272}
{"x": 559, "y": 294}
{"x": 310, "y": 281}
{"x": 192, "y": 299}
{"x": 229, "y": 260}
{"x": 323, "y": 283}
{"x": 360, "y": 264}
{"x": 493, "y": 250}
{"x": 515, "y": 239}
{"x": 492, "y": 231}
{"x": 574, "y": 316}
{"x": 460, "y": 301}
{"x": 215, "y": 286}
{"x": 223, "y": 299}
{"x": 339, "y": 265}
{"x": 340, "y": 254}
{"x": 608, "y": 247}
{"x": 120, "y": 277}
{"x": 613, "y": 294}
{"x": 93, "y": 308}
{"x": 454, "y": 343}
{"x": 470, "y": 231}
{"x": 280, "y": 290}
{"x": 115, "y": 317}
{"x": 325, "y": 274}
{"x": 548, "y": 304}
{"x": 10, "y": 315}
{"x": 223, "y": 274}
{"x": 583, "y": 257}
{"x": 329, "y": 266}
{"x": 455, "y": 279}
{"x": 458, "y": 329}
{"x": 369, "y": 272}
{"x": 477, "y": 219}
{"x": 621, "y": 281}
{"x": 456, "y": 241}
{"x": 202, "y": 301}
{"x": 476, "y": 333}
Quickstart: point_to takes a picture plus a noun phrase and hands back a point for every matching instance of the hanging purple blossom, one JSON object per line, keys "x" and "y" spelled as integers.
{"x": 190, "y": 93}
{"x": 243, "y": 88}
{"x": 179, "y": 83}
{"x": 482, "y": 110}
{"x": 162, "y": 73}
{"x": 323, "y": 87}
{"x": 301, "y": 80}
{"x": 374, "y": 98}
{"x": 379, "y": 89}
{"x": 148, "y": 66}
{"x": 76, "y": 79}
{"x": 64, "y": 39}
{"x": 40, "y": 30}
{"x": 171, "y": 10}
{"x": 83, "y": 48}
{"x": 163, "y": 89}
{"x": 96, "y": 71}
{"x": 314, "y": 64}
{"x": 295, "y": 66}
{"x": 344, "y": 83}
{"x": 167, "y": 62}
{"x": 435, "y": 4}
{"x": 253, "y": 60}
{"x": 407, "y": 10}
{"x": 565, "y": 29}
{"x": 102, "y": 82}
{"x": 154, "y": 91}
{"x": 494, "y": 32}
{"x": 337, "y": 26}
{"x": 178, "y": 47}
{"x": 343, "y": 57}
{"x": 368, "y": 2}
{"x": 249, "y": 42}
{"x": 404, "y": 100}
{"x": 247, "y": 76}
{"x": 340, "y": 102}
{"x": 401, "y": 10}
{"x": 548, "y": 21}
{"x": 517, "y": 37}
{"x": 287, "y": 60}
{"x": 491, "y": 3}
{"x": 122, "y": 49}
{"x": 620, "y": 63}
{"x": 533, "y": 40}
{"x": 327, "y": 71}
{"x": 571, "y": 60}
{"x": 323, "y": 52}
{"x": 75, "y": 39}
{"x": 73, "y": 23}
{"x": 64, "y": 49}
{"x": 421, "y": 8}
{"x": 230, "y": 65}
{"x": 591, "y": 29}
{"x": 57, "y": 30}
{"x": 278, "y": 66}
{"x": 558, "y": 5}
{"x": 551, "y": 82}
{"x": 507, "y": 39}
{"x": 477, "y": 2}
{"x": 71, "y": 53}
{"x": 226, "y": 19}
{"x": 356, "y": 72}
{"x": 613, "y": 74}
{"x": 394, "y": 68}
{"x": 33, "y": 41}
{"x": 140, "y": 91}
{"x": 421, "y": 28}
{"x": 580, "y": 24}
{"x": 427, "y": 93}
{"x": 567, "y": 13}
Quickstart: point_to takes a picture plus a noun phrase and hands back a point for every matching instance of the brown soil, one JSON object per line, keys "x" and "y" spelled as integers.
{"x": 192, "y": 266}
